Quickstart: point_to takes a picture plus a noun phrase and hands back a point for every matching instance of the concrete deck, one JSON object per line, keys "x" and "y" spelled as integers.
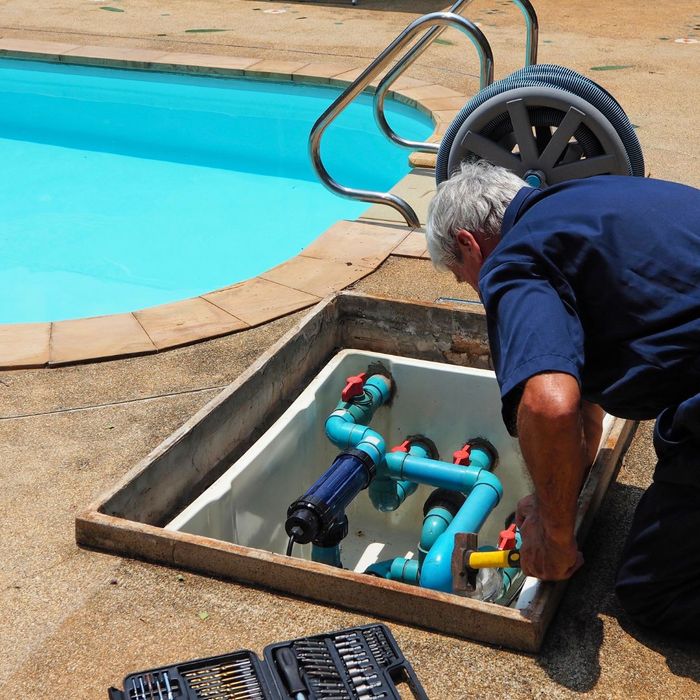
{"x": 77, "y": 621}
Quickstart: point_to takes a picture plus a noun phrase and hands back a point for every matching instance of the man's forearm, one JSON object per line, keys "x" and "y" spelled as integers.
{"x": 550, "y": 428}
{"x": 552, "y": 441}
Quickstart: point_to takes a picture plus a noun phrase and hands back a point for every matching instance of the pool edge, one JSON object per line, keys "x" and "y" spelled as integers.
{"x": 296, "y": 284}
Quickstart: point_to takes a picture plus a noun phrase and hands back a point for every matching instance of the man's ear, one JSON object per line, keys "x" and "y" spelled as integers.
{"x": 463, "y": 237}
{"x": 467, "y": 243}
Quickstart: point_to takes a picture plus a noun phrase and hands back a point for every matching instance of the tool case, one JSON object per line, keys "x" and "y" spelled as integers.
{"x": 359, "y": 663}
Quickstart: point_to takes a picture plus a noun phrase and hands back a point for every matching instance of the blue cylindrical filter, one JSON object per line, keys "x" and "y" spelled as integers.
{"x": 311, "y": 515}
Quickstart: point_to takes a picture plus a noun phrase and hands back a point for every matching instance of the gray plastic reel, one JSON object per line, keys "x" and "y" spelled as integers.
{"x": 547, "y": 124}
{"x": 505, "y": 131}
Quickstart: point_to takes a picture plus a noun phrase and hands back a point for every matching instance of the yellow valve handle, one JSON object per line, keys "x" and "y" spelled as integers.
{"x": 499, "y": 559}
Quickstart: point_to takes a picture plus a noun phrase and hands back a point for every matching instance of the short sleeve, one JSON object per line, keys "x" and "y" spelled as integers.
{"x": 533, "y": 328}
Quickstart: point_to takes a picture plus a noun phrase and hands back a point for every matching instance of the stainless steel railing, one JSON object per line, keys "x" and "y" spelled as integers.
{"x": 531, "y": 41}
{"x": 437, "y": 22}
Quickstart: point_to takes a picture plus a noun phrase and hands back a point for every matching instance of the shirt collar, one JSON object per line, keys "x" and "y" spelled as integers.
{"x": 513, "y": 209}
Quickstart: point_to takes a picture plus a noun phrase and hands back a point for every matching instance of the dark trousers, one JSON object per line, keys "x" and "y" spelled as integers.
{"x": 658, "y": 582}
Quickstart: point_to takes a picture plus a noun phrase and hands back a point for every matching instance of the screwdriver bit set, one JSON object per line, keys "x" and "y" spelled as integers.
{"x": 360, "y": 663}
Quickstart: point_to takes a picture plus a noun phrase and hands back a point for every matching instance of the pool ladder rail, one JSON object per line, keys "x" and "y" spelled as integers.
{"x": 435, "y": 23}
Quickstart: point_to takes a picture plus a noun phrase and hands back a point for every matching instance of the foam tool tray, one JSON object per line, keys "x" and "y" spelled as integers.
{"x": 360, "y": 663}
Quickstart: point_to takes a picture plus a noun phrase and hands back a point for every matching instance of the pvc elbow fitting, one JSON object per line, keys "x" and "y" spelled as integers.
{"x": 372, "y": 444}
{"x": 399, "y": 569}
{"x": 436, "y": 572}
{"x": 383, "y": 494}
{"x": 487, "y": 478}
{"x": 387, "y": 495}
{"x": 341, "y": 431}
{"x": 435, "y": 523}
{"x": 379, "y": 389}
{"x": 347, "y": 435}
{"x": 480, "y": 458}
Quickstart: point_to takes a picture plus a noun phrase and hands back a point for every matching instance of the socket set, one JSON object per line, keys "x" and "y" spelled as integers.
{"x": 360, "y": 663}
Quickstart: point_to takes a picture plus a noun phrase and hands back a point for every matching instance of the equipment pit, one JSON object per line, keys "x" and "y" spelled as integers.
{"x": 213, "y": 498}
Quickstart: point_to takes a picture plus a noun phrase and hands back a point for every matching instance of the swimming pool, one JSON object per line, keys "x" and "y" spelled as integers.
{"x": 130, "y": 189}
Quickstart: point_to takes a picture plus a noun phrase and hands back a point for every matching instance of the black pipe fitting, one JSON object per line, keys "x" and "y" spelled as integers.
{"x": 451, "y": 501}
{"x": 483, "y": 444}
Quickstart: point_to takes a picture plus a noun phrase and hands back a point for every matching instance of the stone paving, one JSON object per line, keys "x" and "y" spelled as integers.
{"x": 77, "y": 621}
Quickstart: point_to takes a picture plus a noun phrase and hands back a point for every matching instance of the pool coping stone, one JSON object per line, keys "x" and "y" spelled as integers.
{"x": 182, "y": 322}
{"x": 25, "y": 345}
{"x": 97, "y": 337}
{"x": 316, "y": 276}
{"x": 258, "y": 300}
{"x": 339, "y": 257}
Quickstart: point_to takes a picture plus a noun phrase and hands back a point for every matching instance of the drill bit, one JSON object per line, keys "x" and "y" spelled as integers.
{"x": 168, "y": 688}
{"x": 218, "y": 676}
{"x": 231, "y": 692}
{"x": 244, "y": 663}
{"x": 160, "y": 694}
{"x": 149, "y": 684}
{"x": 250, "y": 683}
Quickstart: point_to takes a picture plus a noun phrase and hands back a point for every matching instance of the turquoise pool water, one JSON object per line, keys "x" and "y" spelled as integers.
{"x": 126, "y": 189}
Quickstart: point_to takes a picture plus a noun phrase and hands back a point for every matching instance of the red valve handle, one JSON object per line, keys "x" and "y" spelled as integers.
{"x": 506, "y": 538}
{"x": 463, "y": 456}
{"x": 405, "y": 446}
{"x": 354, "y": 386}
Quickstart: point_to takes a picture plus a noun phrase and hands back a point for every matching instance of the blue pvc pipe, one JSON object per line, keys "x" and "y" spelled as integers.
{"x": 346, "y": 426}
{"x": 405, "y": 570}
{"x": 326, "y": 555}
{"x": 435, "y": 522}
{"x": 508, "y": 578}
{"x": 480, "y": 458}
{"x": 455, "y": 477}
{"x": 380, "y": 568}
{"x": 510, "y": 573}
{"x": 398, "y": 569}
{"x": 347, "y": 435}
{"x": 388, "y": 494}
{"x": 436, "y": 570}
{"x": 378, "y": 389}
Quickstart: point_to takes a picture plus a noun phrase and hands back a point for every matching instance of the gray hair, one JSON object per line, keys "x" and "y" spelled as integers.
{"x": 474, "y": 199}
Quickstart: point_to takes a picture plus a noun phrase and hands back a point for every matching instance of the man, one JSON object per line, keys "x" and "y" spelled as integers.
{"x": 592, "y": 297}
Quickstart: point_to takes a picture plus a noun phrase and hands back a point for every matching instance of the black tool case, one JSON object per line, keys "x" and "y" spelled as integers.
{"x": 359, "y": 663}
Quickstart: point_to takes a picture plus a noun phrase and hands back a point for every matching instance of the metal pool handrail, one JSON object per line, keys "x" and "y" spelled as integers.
{"x": 532, "y": 33}
{"x": 434, "y": 19}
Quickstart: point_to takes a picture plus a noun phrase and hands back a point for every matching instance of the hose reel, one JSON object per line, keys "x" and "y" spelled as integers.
{"x": 547, "y": 124}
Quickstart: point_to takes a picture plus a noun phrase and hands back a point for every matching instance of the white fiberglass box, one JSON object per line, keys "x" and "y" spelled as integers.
{"x": 448, "y": 404}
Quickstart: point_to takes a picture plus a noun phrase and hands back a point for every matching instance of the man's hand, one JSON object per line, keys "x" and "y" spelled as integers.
{"x": 544, "y": 553}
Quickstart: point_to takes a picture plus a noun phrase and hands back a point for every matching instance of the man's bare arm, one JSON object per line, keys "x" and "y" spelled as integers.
{"x": 555, "y": 446}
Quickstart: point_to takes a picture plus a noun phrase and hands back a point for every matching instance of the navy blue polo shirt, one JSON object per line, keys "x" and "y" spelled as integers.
{"x": 600, "y": 279}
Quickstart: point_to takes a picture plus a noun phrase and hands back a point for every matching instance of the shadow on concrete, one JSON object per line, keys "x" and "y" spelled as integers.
{"x": 570, "y": 654}
{"x": 413, "y": 7}
{"x": 682, "y": 655}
